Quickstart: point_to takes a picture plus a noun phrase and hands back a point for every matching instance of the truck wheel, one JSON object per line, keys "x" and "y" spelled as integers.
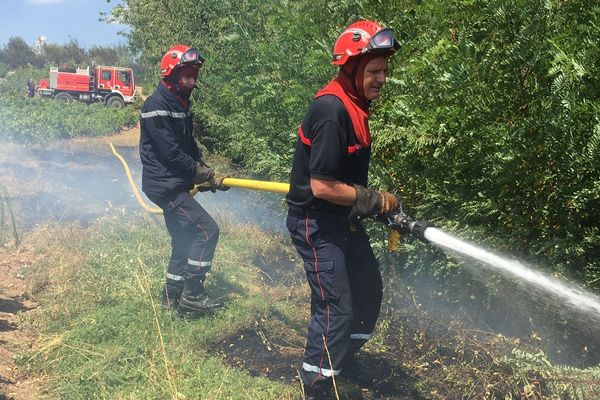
{"x": 116, "y": 102}
{"x": 64, "y": 96}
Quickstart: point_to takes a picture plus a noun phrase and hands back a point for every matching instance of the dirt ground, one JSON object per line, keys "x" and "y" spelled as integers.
{"x": 15, "y": 384}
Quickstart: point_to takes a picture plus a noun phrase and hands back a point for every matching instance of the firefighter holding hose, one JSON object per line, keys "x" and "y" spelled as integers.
{"x": 172, "y": 164}
{"x": 328, "y": 193}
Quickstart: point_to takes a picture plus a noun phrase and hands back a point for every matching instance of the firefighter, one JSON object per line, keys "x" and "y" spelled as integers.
{"x": 172, "y": 164}
{"x": 328, "y": 193}
{"x": 30, "y": 88}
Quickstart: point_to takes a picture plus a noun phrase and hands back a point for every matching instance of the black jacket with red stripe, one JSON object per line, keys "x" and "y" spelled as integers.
{"x": 326, "y": 149}
{"x": 167, "y": 146}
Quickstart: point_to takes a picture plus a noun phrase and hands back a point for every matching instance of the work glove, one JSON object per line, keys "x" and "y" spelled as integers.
{"x": 390, "y": 202}
{"x": 204, "y": 187}
{"x": 216, "y": 182}
{"x": 372, "y": 202}
{"x": 203, "y": 173}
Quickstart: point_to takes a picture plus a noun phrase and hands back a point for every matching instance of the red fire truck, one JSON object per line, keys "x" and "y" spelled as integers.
{"x": 112, "y": 85}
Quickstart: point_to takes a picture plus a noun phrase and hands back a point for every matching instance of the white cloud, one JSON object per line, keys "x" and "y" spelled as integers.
{"x": 45, "y": 1}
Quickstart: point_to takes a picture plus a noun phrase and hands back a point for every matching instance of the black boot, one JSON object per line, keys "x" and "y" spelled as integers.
{"x": 170, "y": 298}
{"x": 194, "y": 300}
{"x": 316, "y": 394}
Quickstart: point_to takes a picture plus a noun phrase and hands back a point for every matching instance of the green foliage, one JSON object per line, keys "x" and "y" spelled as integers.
{"x": 35, "y": 120}
{"x": 18, "y": 54}
{"x": 69, "y": 53}
{"x": 30, "y": 120}
{"x": 15, "y": 85}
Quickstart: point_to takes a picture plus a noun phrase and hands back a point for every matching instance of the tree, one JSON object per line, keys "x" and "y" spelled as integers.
{"x": 17, "y": 53}
{"x": 69, "y": 53}
{"x": 103, "y": 55}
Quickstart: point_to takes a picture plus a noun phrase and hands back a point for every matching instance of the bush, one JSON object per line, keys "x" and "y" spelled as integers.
{"x": 30, "y": 120}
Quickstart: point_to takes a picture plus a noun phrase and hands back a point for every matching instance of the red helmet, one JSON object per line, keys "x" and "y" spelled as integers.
{"x": 363, "y": 37}
{"x": 178, "y": 56}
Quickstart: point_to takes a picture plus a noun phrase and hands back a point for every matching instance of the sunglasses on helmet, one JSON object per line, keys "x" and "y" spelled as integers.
{"x": 383, "y": 40}
{"x": 192, "y": 56}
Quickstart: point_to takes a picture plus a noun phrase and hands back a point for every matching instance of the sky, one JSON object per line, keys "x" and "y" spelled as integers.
{"x": 59, "y": 21}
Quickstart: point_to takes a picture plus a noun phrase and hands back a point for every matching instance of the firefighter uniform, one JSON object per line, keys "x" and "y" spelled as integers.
{"x": 169, "y": 155}
{"x": 341, "y": 269}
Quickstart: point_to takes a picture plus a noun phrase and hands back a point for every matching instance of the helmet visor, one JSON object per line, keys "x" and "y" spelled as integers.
{"x": 192, "y": 56}
{"x": 383, "y": 40}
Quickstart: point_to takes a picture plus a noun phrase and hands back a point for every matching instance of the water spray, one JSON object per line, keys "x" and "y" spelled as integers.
{"x": 424, "y": 231}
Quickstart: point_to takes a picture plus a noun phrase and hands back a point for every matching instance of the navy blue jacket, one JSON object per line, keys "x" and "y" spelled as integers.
{"x": 167, "y": 146}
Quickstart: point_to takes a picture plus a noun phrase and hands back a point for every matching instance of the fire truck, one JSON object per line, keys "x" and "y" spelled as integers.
{"x": 114, "y": 86}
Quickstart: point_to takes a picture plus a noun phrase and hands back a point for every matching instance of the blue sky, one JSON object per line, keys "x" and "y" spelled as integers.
{"x": 59, "y": 21}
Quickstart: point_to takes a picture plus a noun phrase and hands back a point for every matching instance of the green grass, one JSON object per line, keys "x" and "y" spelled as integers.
{"x": 103, "y": 334}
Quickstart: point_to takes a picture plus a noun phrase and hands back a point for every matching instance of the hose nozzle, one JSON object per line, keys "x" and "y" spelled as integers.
{"x": 404, "y": 224}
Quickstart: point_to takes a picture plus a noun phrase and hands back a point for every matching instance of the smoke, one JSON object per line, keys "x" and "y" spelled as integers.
{"x": 65, "y": 183}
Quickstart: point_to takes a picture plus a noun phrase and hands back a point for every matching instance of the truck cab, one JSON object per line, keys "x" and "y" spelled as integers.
{"x": 114, "y": 83}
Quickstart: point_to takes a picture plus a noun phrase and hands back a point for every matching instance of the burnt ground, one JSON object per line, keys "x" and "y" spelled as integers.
{"x": 368, "y": 377}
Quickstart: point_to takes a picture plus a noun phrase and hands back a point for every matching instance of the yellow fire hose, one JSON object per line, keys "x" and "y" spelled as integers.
{"x": 275, "y": 187}
{"x": 132, "y": 184}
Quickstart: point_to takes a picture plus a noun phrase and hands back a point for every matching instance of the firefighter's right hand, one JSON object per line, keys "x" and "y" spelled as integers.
{"x": 368, "y": 202}
{"x": 217, "y": 182}
{"x": 203, "y": 174}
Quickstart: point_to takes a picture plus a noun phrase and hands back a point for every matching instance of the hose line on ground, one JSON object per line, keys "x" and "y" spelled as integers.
{"x": 132, "y": 184}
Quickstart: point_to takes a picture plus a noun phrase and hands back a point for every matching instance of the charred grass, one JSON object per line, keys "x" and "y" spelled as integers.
{"x": 101, "y": 333}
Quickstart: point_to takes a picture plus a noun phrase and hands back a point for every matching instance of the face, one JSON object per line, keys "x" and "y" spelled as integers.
{"x": 374, "y": 77}
{"x": 187, "y": 78}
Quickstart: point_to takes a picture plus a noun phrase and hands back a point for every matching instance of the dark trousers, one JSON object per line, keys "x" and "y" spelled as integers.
{"x": 346, "y": 291}
{"x": 194, "y": 235}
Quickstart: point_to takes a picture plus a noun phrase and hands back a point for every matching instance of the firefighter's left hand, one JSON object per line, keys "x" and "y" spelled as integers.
{"x": 389, "y": 202}
{"x": 217, "y": 182}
